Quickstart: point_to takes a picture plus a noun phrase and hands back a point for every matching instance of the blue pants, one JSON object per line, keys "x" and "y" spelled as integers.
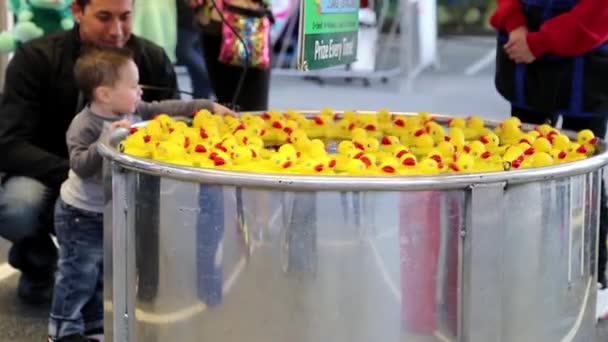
{"x": 26, "y": 211}
{"x": 190, "y": 55}
{"x": 209, "y": 235}
{"x": 78, "y": 298}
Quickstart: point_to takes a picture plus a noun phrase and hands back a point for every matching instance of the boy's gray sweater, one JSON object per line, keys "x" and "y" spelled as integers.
{"x": 84, "y": 187}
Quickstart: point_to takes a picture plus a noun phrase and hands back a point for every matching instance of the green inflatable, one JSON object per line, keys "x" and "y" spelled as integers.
{"x": 35, "y": 18}
{"x": 157, "y": 21}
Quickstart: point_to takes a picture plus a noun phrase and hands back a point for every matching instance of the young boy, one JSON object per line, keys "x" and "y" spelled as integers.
{"x": 109, "y": 79}
{"x": 552, "y": 60}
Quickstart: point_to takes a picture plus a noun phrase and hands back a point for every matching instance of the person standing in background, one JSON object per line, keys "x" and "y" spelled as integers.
{"x": 189, "y": 50}
{"x": 225, "y": 77}
{"x": 552, "y": 61}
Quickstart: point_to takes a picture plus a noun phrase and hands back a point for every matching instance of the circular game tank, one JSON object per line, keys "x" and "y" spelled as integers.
{"x": 210, "y": 255}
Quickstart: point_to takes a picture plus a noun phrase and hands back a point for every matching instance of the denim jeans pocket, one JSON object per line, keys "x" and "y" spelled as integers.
{"x": 78, "y": 227}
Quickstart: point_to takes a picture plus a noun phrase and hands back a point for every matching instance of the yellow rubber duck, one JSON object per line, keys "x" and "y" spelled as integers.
{"x": 588, "y": 139}
{"x": 475, "y": 148}
{"x": 137, "y": 144}
{"x": 165, "y": 121}
{"x": 456, "y": 138}
{"x": 559, "y": 156}
{"x": 171, "y": 153}
{"x": 409, "y": 164}
{"x": 546, "y": 130}
{"x": 541, "y": 159}
{"x": 560, "y": 141}
{"x": 155, "y": 130}
{"x": 446, "y": 149}
{"x": 422, "y": 143}
{"x": 388, "y": 145}
{"x": 528, "y": 138}
{"x": 542, "y": 144}
{"x": 346, "y": 152}
{"x": 200, "y": 157}
{"x": 356, "y": 167}
{"x": 428, "y": 167}
{"x": 400, "y": 126}
{"x": 463, "y": 163}
{"x": 576, "y": 152}
{"x": 457, "y": 122}
{"x": 242, "y": 158}
{"x": 372, "y": 145}
{"x": 475, "y": 128}
{"x": 389, "y": 166}
{"x": 384, "y": 119}
{"x": 510, "y": 131}
{"x": 489, "y": 162}
{"x": 317, "y": 128}
{"x": 311, "y": 167}
{"x": 299, "y": 140}
{"x": 289, "y": 152}
{"x": 436, "y": 131}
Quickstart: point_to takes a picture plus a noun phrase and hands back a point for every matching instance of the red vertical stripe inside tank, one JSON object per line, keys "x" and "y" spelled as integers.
{"x": 420, "y": 223}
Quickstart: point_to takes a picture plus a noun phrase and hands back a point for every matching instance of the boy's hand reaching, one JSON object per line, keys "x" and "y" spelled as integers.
{"x": 120, "y": 124}
{"x": 222, "y": 110}
{"x": 517, "y": 47}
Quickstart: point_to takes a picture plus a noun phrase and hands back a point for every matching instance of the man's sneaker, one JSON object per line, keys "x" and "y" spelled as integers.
{"x": 35, "y": 292}
{"x": 601, "y": 311}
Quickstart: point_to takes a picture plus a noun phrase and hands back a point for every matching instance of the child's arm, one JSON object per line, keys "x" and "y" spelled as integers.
{"x": 147, "y": 110}
{"x": 508, "y": 16}
{"x": 82, "y": 137}
{"x": 573, "y": 33}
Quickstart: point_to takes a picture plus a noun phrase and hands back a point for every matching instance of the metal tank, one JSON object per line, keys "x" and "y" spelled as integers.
{"x": 209, "y": 255}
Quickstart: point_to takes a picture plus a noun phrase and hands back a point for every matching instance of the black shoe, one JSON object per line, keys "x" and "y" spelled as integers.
{"x": 70, "y": 338}
{"x": 35, "y": 255}
{"x": 35, "y": 292}
{"x": 94, "y": 335}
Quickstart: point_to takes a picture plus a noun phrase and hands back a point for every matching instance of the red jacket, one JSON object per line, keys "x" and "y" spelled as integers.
{"x": 574, "y": 33}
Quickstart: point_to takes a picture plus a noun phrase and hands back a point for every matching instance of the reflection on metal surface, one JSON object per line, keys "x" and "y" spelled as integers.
{"x": 396, "y": 277}
{"x": 570, "y": 336}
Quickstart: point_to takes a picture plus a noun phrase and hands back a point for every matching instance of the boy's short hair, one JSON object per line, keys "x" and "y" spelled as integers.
{"x": 98, "y": 67}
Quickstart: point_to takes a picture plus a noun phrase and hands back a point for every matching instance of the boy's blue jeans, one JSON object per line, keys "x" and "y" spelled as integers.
{"x": 78, "y": 298}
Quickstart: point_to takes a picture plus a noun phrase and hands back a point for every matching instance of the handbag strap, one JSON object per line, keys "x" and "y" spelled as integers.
{"x": 248, "y": 12}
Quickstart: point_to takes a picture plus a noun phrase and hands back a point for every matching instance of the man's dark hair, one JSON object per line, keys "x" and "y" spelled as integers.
{"x": 82, "y": 3}
{"x": 98, "y": 67}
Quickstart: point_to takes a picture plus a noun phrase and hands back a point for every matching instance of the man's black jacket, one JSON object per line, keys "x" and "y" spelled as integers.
{"x": 40, "y": 99}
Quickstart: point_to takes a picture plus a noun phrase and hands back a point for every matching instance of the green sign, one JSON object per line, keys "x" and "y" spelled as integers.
{"x": 328, "y": 33}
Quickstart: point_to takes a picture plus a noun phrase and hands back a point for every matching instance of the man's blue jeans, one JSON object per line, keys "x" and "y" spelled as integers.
{"x": 209, "y": 235}
{"x": 26, "y": 209}
{"x": 78, "y": 298}
{"x": 189, "y": 54}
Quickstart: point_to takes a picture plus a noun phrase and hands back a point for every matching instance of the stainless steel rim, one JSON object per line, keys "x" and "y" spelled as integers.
{"x": 352, "y": 183}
